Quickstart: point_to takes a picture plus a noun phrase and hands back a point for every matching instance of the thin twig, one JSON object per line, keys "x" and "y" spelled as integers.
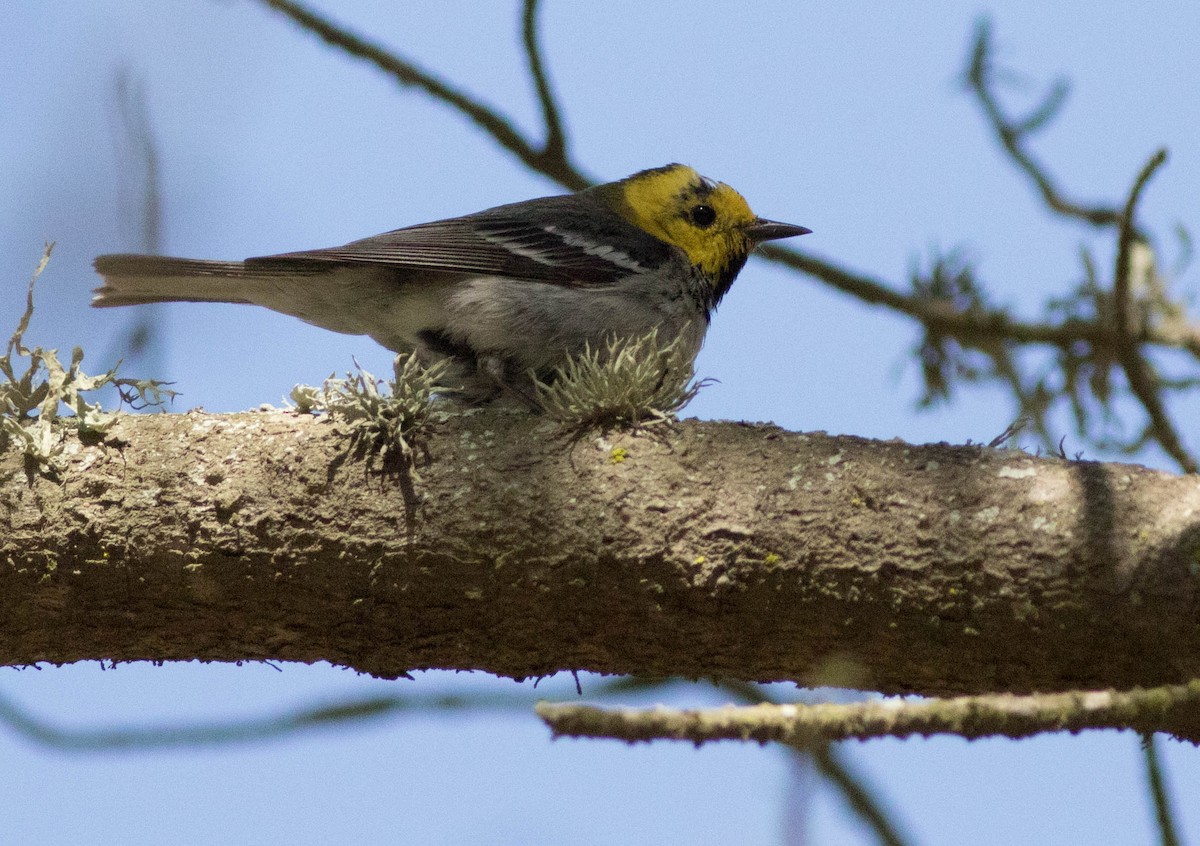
{"x": 862, "y": 798}
{"x": 1158, "y": 792}
{"x": 137, "y": 128}
{"x": 977, "y": 327}
{"x": 1143, "y": 382}
{"x": 555, "y": 148}
{"x": 236, "y": 731}
{"x": 406, "y": 72}
{"x": 1128, "y": 235}
{"x": 138, "y": 147}
{"x": 1011, "y": 133}
{"x": 829, "y": 764}
{"x": 859, "y": 794}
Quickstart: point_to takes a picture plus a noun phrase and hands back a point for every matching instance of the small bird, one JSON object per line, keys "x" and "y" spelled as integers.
{"x": 504, "y": 294}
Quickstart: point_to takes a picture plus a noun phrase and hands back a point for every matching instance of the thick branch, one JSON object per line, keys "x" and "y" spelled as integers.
{"x": 721, "y": 550}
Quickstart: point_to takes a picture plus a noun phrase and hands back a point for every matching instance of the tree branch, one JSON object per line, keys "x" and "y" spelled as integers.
{"x": 829, "y": 763}
{"x": 137, "y": 132}
{"x": 500, "y": 128}
{"x": 141, "y": 166}
{"x": 1156, "y": 783}
{"x": 555, "y": 149}
{"x": 1174, "y": 709}
{"x": 1143, "y": 381}
{"x": 719, "y": 550}
{"x": 1011, "y": 132}
{"x": 233, "y": 731}
{"x": 861, "y": 797}
{"x": 977, "y": 328}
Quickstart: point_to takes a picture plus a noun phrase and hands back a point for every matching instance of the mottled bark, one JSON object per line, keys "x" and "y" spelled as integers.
{"x": 715, "y": 549}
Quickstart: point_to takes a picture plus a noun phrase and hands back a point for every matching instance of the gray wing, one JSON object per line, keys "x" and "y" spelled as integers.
{"x": 493, "y": 244}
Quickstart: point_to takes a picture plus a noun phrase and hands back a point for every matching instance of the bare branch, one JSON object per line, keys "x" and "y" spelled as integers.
{"x": 1012, "y": 132}
{"x": 235, "y": 731}
{"x": 1156, "y": 784}
{"x": 1128, "y": 234}
{"x": 501, "y": 129}
{"x": 973, "y": 328}
{"x": 1041, "y": 116}
{"x": 137, "y": 129}
{"x": 857, "y": 794}
{"x": 1174, "y": 709}
{"x": 555, "y": 149}
{"x": 1143, "y": 381}
{"x": 862, "y": 798}
{"x": 139, "y": 158}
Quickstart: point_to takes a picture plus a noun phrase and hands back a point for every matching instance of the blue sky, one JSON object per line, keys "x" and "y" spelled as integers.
{"x": 847, "y": 118}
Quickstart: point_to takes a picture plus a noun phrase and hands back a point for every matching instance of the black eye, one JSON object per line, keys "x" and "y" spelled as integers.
{"x": 702, "y": 215}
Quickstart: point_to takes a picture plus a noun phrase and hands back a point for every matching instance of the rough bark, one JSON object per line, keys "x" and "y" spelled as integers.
{"x": 715, "y": 550}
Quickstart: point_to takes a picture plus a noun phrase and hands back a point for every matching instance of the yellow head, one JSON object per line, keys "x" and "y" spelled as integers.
{"x": 709, "y": 221}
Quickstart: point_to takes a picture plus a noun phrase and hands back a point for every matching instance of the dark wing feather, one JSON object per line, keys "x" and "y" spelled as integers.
{"x": 543, "y": 247}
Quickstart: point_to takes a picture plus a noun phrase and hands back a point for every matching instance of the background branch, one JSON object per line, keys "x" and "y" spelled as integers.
{"x": 1011, "y": 133}
{"x": 501, "y": 129}
{"x": 1174, "y": 709}
{"x": 1143, "y": 382}
{"x": 555, "y": 149}
{"x": 1156, "y": 783}
{"x": 140, "y": 163}
{"x": 862, "y": 797}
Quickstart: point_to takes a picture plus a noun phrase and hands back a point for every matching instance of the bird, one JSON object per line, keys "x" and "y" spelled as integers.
{"x": 503, "y": 296}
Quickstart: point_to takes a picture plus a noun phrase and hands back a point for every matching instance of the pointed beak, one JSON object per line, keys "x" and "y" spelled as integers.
{"x": 769, "y": 230}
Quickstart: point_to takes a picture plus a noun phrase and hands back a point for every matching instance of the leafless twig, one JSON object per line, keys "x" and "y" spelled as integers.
{"x": 1143, "y": 381}
{"x": 1156, "y": 783}
{"x": 546, "y": 159}
{"x": 1012, "y": 132}
{"x": 555, "y": 148}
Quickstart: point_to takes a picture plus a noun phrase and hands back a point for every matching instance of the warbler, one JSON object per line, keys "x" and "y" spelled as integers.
{"x": 504, "y": 294}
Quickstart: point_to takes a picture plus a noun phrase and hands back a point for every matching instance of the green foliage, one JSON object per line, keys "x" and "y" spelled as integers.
{"x": 32, "y": 401}
{"x": 629, "y": 383}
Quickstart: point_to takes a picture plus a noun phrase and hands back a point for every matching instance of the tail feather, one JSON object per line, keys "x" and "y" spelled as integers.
{"x": 354, "y": 300}
{"x": 137, "y": 280}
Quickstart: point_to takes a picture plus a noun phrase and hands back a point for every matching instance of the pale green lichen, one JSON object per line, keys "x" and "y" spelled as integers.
{"x": 305, "y": 399}
{"x": 628, "y": 383}
{"x": 32, "y": 402}
{"x": 378, "y": 418}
